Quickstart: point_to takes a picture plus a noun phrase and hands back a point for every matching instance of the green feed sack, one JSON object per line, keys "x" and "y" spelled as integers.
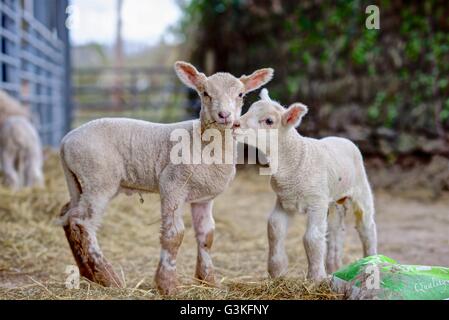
{"x": 380, "y": 277}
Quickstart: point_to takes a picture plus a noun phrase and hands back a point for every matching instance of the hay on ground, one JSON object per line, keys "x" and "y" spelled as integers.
{"x": 34, "y": 253}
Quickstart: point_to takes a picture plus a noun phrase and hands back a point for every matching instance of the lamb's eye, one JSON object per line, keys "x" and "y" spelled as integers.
{"x": 206, "y": 95}
{"x": 241, "y": 95}
{"x": 269, "y": 121}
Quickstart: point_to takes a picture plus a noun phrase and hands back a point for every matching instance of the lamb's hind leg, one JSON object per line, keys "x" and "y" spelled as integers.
{"x": 204, "y": 225}
{"x": 365, "y": 224}
{"x": 11, "y": 175}
{"x": 335, "y": 237}
{"x": 33, "y": 174}
{"x": 80, "y": 223}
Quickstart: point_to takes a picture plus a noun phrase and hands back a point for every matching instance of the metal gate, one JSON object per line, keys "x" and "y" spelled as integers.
{"x": 35, "y": 62}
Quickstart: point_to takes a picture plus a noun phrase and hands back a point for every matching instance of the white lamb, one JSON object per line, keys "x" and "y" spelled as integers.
{"x": 20, "y": 148}
{"x": 21, "y": 154}
{"x": 313, "y": 176}
{"x": 108, "y": 156}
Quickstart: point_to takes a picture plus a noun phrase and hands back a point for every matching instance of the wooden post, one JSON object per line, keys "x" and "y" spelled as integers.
{"x": 117, "y": 97}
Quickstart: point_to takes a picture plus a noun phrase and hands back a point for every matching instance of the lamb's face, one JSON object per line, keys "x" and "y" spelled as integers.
{"x": 269, "y": 115}
{"x": 222, "y": 99}
{"x": 262, "y": 115}
{"x": 221, "y": 94}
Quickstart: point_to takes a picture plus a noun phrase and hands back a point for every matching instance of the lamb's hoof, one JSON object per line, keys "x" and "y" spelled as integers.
{"x": 92, "y": 264}
{"x": 208, "y": 280}
{"x": 168, "y": 289}
{"x": 104, "y": 274}
{"x": 276, "y": 273}
{"x": 166, "y": 283}
{"x": 277, "y": 269}
{"x": 101, "y": 273}
{"x": 332, "y": 267}
{"x": 318, "y": 278}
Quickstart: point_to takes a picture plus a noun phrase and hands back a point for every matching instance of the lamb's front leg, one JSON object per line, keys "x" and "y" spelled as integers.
{"x": 172, "y": 233}
{"x": 204, "y": 225}
{"x": 277, "y": 231}
{"x": 315, "y": 240}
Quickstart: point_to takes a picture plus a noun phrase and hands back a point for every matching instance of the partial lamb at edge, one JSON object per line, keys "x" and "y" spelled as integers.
{"x": 20, "y": 147}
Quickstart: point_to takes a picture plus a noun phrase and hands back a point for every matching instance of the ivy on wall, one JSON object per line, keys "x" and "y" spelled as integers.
{"x": 324, "y": 55}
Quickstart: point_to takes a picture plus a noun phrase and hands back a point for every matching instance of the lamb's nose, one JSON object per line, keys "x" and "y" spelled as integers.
{"x": 224, "y": 114}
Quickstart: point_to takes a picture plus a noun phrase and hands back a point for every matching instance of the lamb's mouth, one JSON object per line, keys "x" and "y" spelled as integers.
{"x": 210, "y": 123}
{"x": 225, "y": 124}
{"x": 236, "y": 132}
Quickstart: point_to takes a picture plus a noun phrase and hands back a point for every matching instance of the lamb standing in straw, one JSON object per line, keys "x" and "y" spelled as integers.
{"x": 108, "y": 156}
{"x": 20, "y": 147}
{"x": 312, "y": 177}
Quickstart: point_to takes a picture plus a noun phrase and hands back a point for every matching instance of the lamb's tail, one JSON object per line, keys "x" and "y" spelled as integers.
{"x": 73, "y": 185}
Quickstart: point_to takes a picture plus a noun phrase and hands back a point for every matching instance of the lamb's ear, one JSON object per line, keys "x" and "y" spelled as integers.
{"x": 293, "y": 115}
{"x": 257, "y": 79}
{"x": 188, "y": 74}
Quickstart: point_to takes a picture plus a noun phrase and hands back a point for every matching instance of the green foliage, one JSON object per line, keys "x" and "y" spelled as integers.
{"x": 315, "y": 42}
{"x": 365, "y": 47}
{"x": 445, "y": 112}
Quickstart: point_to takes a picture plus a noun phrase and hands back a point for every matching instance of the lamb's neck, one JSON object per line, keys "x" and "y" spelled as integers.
{"x": 228, "y": 143}
{"x": 292, "y": 149}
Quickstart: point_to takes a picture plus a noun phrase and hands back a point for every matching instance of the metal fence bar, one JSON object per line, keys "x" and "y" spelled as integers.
{"x": 9, "y": 60}
{"x": 42, "y": 30}
{"x": 147, "y": 70}
{"x": 10, "y": 43}
{"x": 11, "y": 87}
{"x": 34, "y": 66}
{"x": 43, "y": 47}
{"x": 149, "y": 93}
{"x": 9, "y": 35}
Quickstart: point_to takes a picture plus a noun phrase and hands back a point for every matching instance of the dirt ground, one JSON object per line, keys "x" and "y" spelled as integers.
{"x": 34, "y": 253}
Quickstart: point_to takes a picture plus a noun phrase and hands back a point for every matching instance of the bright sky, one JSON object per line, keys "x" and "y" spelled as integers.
{"x": 144, "y": 21}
